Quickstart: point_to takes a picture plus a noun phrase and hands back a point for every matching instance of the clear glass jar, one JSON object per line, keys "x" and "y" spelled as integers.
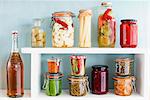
{"x": 53, "y": 84}
{"x": 128, "y": 33}
{"x": 38, "y": 35}
{"x": 78, "y": 65}
{"x": 106, "y": 26}
{"x": 123, "y": 66}
{"x": 53, "y": 65}
{"x": 124, "y": 86}
{"x": 99, "y": 79}
{"x": 85, "y": 17}
{"x": 62, "y": 29}
{"x": 79, "y": 86}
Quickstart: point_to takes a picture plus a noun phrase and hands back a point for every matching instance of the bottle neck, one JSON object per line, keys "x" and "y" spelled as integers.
{"x": 15, "y": 43}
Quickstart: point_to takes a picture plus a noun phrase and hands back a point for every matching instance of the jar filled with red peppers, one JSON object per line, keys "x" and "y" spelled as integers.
{"x": 106, "y": 26}
{"x": 128, "y": 33}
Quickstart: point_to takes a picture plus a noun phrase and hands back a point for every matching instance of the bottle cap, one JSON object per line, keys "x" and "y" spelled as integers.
{"x": 37, "y": 22}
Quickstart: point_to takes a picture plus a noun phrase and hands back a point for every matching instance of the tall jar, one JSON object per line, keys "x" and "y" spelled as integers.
{"x": 78, "y": 63}
{"x": 53, "y": 84}
{"x": 78, "y": 85}
{"x": 128, "y": 33}
{"x": 62, "y": 29}
{"x": 106, "y": 26}
{"x": 124, "y": 86}
{"x": 38, "y": 35}
{"x": 85, "y": 17}
{"x": 99, "y": 79}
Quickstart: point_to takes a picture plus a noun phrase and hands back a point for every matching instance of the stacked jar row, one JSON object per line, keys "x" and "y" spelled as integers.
{"x": 79, "y": 84}
{"x": 62, "y": 27}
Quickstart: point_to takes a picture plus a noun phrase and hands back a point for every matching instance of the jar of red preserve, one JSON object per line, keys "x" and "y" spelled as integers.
{"x": 99, "y": 79}
{"x": 128, "y": 33}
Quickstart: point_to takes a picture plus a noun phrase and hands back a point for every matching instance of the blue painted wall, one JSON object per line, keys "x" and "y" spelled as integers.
{"x": 18, "y": 15}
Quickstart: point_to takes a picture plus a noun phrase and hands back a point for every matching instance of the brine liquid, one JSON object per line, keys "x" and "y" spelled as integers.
{"x": 15, "y": 75}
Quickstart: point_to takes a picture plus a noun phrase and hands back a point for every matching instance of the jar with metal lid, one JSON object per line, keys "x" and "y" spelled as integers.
{"x": 62, "y": 29}
{"x": 53, "y": 84}
{"x": 54, "y": 65}
{"x": 124, "y": 86}
{"x": 78, "y": 63}
{"x": 106, "y": 26}
{"x": 99, "y": 79}
{"x": 123, "y": 66}
{"x": 128, "y": 33}
{"x": 79, "y": 85}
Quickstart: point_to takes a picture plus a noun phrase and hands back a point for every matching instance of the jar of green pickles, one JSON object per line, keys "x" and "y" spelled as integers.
{"x": 79, "y": 85}
{"x": 53, "y": 84}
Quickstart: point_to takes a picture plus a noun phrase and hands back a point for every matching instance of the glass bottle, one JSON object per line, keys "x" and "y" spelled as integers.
{"x": 15, "y": 70}
{"x": 38, "y": 35}
{"x": 106, "y": 26}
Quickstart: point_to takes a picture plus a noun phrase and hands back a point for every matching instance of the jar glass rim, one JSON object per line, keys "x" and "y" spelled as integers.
{"x": 129, "y": 20}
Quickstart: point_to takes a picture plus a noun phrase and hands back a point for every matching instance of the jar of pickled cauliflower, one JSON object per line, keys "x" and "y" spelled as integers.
{"x": 62, "y": 29}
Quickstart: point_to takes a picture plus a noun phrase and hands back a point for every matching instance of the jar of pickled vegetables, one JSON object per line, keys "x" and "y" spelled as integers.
{"x": 78, "y": 65}
{"x": 106, "y": 26}
{"x": 85, "y": 17}
{"x": 54, "y": 65}
{"x": 100, "y": 79}
{"x": 62, "y": 29}
{"x": 128, "y": 33}
{"x": 53, "y": 84}
{"x": 79, "y": 85}
{"x": 124, "y": 86}
{"x": 123, "y": 66}
{"x": 38, "y": 35}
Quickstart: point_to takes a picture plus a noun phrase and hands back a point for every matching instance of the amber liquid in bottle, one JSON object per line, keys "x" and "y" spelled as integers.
{"x": 15, "y": 70}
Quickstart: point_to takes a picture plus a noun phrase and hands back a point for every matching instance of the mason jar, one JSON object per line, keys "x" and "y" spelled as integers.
{"x": 53, "y": 84}
{"x": 62, "y": 29}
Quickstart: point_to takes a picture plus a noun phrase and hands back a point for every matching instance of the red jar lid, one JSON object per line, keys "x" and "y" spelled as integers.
{"x": 100, "y": 67}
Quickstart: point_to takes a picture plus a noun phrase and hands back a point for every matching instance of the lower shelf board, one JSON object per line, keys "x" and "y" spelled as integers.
{"x": 3, "y": 95}
{"x": 109, "y": 96}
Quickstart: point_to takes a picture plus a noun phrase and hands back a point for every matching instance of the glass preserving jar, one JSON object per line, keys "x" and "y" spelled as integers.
{"x": 79, "y": 85}
{"x": 85, "y": 17}
{"x": 106, "y": 26}
{"x": 128, "y": 33}
{"x": 62, "y": 29}
{"x": 124, "y": 86}
{"x": 123, "y": 66}
{"x": 53, "y": 65}
{"x": 38, "y": 35}
{"x": 53, "y": 84}
{"x": 78, "y": 65}
{"x": 100, "y": 79}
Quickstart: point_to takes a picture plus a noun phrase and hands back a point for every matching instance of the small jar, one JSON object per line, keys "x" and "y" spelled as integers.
{"x": 124, "y": 86}
{"x": 99, "y": 79}
{"x": 62, "y": 29}
{"x": 123, "y": 66}
{"x": 128, "y": 33}
{"x": 78, "y": 65}
{"x": 38, "y": 35}
{"x": 53, "y": 84}
{"x": 53, "y": 65}
{"x": 79, "y": 86}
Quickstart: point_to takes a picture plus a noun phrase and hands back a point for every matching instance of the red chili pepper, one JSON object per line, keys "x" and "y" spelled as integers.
{"x": 57, "y": 20}
{"x": 106, "y": 16}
